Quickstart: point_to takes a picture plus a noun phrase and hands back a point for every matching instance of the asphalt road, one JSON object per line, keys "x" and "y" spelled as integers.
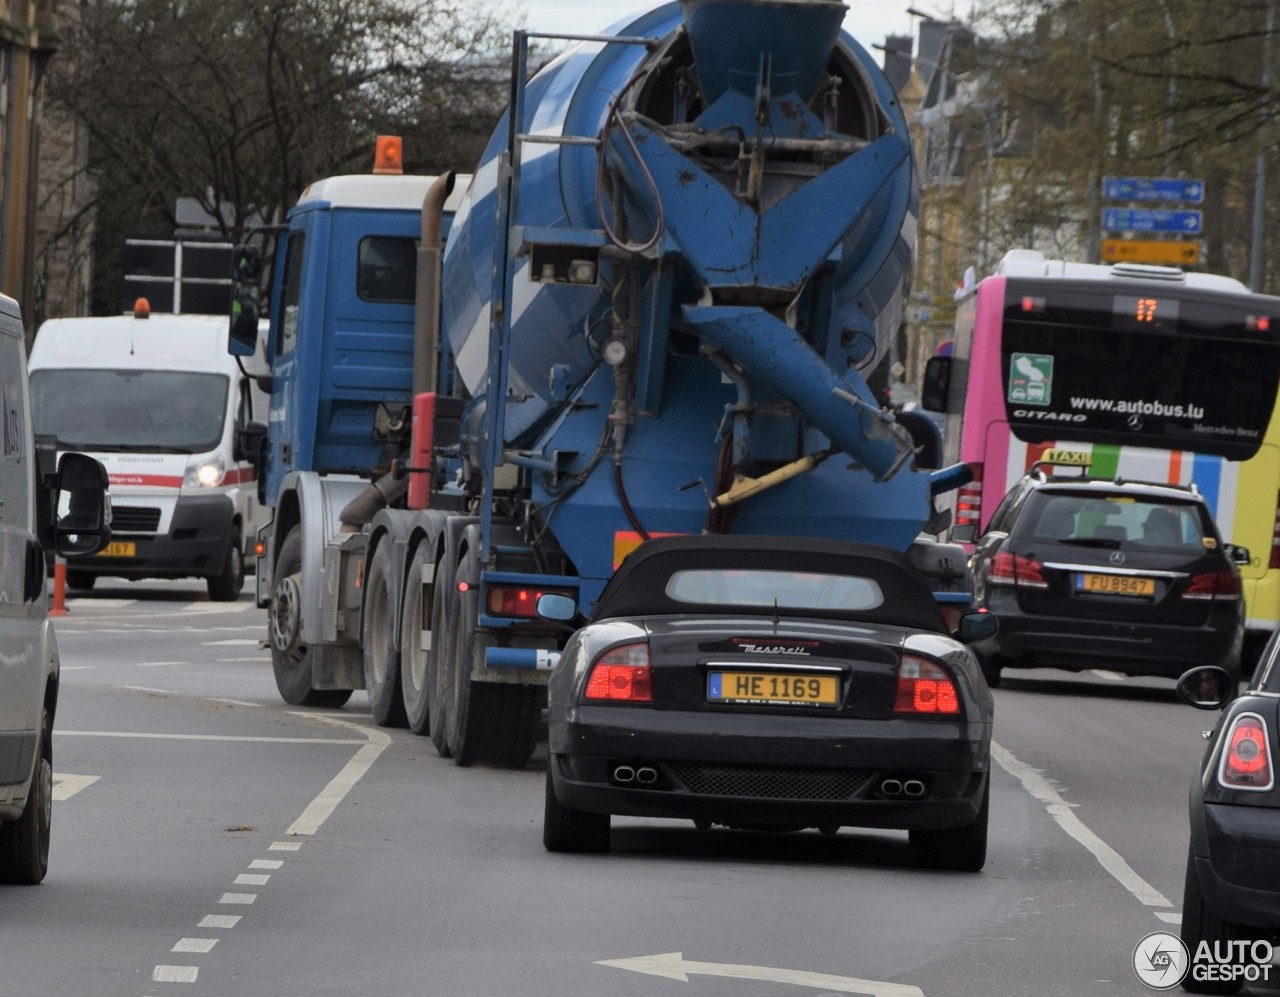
{"x": 209, "y": 839}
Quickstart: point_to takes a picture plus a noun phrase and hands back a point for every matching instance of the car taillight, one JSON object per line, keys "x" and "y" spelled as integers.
{"x": 1246, "y": 760}
{"x": 1014, "y": 569}
{"x": 925, "y": 688}
{"x": 621, "y": 675}
{"x": 514, "y": 600}
{"x": 1213, "y": 585}
{"x": 969, "y": 501}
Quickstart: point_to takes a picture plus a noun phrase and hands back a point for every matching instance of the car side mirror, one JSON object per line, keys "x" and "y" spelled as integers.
{"x": 1239, "y": 555}
{"x": 83, "y": 523}
{"x": 965, "y": 533}
{"x": 248, "y": 441}
{"x": 1207, "y": 687}
{"x": 977, "y": 626}
{"x": 556, "y": 607}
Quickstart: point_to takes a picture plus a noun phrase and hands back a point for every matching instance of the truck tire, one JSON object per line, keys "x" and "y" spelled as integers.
{"x": 439, "y": 668}
{"x": 381, "y": 656}
{"x": 289, "y": 659}
{"x": 566, "y": 830}
{"x": 226, "y": 585}
{"x": 24, "y": 843}
{"x": 415, "y": 674}
{"x": 494, "y": 723}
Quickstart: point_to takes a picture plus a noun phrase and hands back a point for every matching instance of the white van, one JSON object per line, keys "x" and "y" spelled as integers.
{"x": 159, "y": 401}
{"x": 32, "y": 494}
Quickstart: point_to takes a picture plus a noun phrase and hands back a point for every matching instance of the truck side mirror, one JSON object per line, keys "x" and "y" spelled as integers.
{"x": 937, "y": 384}
{"x": 248, "y": 441}
{"x": 246, "y": 268}
{"x": 83, "y": 525}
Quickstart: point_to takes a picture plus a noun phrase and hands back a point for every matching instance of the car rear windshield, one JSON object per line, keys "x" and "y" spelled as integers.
{"x": 1140, "y": 520}
{"x": 767, "y": 589}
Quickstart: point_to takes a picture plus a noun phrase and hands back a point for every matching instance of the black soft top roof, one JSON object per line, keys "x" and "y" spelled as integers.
{"x": 638, "y": 587}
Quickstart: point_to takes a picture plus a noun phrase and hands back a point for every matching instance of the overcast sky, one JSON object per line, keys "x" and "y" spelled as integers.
{"x": 869, "y": 21}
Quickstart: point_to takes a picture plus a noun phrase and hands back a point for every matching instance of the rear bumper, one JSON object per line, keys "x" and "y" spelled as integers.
{"x": 1137, "y": 649}
{"x": 770, "y": 771}
{"x": 196, "y": 544}
{"x": 1240, "y": 877}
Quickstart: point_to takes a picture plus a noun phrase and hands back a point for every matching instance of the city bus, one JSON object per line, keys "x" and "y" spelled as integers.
{"x": 1156, "y": 374}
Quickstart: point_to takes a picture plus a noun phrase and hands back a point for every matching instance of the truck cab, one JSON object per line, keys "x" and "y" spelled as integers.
{"x": 157, "y": 399}
{"x": 41, "y": 511}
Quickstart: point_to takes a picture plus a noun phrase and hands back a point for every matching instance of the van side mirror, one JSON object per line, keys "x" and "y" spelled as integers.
{"x": 937, "y": 384}
{"x": 83, "y": 524}
{"x": 246, "y": 269}
{"x": 553, "y": 606}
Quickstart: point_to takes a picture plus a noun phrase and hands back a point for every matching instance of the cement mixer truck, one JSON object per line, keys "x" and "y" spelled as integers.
{"x": 653, "y": 309}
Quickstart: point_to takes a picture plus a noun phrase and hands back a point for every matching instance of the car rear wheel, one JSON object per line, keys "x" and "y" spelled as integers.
{"x": 24, "y": 843}
{"x": 80, "y": 579}
{"x": 1199, "y": 924}
{"x": 992, "y": 669}
{"x": 963, "y": 849}
{"x": 568, "y": 830}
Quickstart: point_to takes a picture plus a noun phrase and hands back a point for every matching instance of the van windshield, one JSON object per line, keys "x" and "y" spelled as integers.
{"x": 155, "y": 410}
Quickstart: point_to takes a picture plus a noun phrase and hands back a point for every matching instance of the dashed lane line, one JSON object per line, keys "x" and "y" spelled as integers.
{"x": 246, "y": 738}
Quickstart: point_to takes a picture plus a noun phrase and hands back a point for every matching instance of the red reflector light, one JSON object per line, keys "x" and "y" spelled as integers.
{"x": 515, "y": 600}
{"x": 1014, "y": 569}
{"x": 1258, "y": 323}
{"x": 621, "y": 675}
{"x": 925, "y": 688}
{"x": 1213, "y": 585}
{"x": 1030, "y": 304}
{"x": 1246, "y": 760}
{"x": 259, "y": 549}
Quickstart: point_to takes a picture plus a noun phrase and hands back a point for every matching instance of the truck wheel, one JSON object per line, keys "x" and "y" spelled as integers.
{"x": 226, "y": 586}
{"x": 415, "y": 674}
{"x": 439, "y": 662}
{"x": 495, "y": 723}
{"x": 565, "y": 830}
{"x": 24, "y": 843}
{"x": 381, "y": 656}
{"x": 284, "y": 626}
{"x": 80, "y": 579}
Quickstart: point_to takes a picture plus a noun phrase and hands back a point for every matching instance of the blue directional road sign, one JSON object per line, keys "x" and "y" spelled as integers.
{"x": 1153, "y": 189}
{"x": 1150, "y": 220}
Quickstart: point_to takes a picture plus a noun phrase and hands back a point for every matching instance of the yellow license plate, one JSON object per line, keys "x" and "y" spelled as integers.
{"x": 773, "y": 688}
{"x": 119, "y": 548}
{"x": 1118, "y": 585}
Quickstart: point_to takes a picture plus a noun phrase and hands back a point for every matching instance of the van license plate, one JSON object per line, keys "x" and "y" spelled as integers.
{"x": 1117, "y": 585}
{"x": 119, "y": 548}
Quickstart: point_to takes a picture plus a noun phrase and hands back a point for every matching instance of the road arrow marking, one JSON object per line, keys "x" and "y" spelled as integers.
{"x": 673, "y": 966}
{"x": 66, "y": 786}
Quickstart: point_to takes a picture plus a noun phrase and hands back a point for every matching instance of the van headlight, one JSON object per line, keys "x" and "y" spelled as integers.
{"x": 206, "y": 473}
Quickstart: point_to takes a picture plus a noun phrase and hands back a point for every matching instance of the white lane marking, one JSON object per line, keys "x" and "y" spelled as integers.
{"x": 208, "y": 737}
{"x": 266, "y": 864}
{"x": 229, "y": 643}
{"x": 238, "y": 898}
{"x": 241, "y": 661}
{"x": 1034, "y": 782}
{"x": 175, "y": 974}
{"x": 233, "y": 702}
{"x": 144, "y": 688}
{"x": 673, "y": 966}
{"x": 195, "y": 945}
{"x": 1110, "y": 676}
{"x": 219, "y": 921}
{"x": 66, "y": 786}
{"x": 320, "y": 809}
{"x": 158, "y": 664}
{"x": 1168, "y": 917}
{"x": 78, "y": 668}
{"x": 250, "y": 879}
{"x": 284, "y": 846}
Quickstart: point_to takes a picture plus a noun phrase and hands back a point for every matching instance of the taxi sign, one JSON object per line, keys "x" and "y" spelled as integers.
{"x": 1066, "y": 458}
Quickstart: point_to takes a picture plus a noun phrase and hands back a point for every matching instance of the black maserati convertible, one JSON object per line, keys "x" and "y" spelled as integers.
{"x": 770, "y": 683}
